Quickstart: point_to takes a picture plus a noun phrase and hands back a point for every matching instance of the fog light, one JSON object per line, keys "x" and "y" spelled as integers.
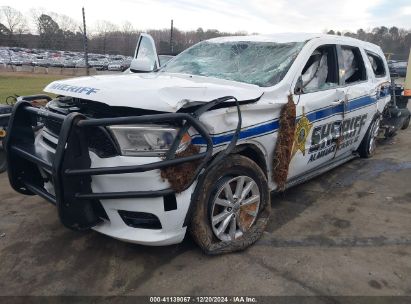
{"x": 141, "y": 220}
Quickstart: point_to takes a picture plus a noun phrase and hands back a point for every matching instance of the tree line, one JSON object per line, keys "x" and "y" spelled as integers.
{"x": 394, "y": 41}
{"x": 61, "y": 32}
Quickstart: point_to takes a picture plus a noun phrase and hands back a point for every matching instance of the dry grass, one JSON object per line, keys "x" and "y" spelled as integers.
{"x": 181, "y": 175}
{"x": 12, "y": 83}
{"x": 284, "y": 145}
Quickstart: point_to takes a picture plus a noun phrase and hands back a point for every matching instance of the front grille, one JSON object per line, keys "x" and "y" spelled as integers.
{"x": 49, "y": 142}
{"x": 99, "y": 140}
{"x": 53, "y": 125}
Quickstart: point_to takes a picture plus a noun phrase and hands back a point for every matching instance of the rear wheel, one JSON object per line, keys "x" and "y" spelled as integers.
{"x": 232, "y": 206}
{"x": 406, "y": 123}
{"x": 369, "y": 142}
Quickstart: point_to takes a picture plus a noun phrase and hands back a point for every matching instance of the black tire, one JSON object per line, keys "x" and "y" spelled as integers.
{"x": 201, "y": 227}
{"x": 368, "y": 143}
{"x": 3, "y": 159}
{"x": 406, "y": 123}
{"x": 390, "y": 133}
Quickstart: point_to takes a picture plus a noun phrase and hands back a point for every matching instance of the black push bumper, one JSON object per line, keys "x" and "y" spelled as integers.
{"x": 5, "y": 113}
{"x": 69, "y": 166}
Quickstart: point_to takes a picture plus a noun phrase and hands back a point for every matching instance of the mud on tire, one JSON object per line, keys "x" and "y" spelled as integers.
{"x": 200, "y": 225}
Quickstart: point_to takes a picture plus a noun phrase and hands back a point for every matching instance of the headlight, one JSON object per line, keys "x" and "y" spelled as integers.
{"x": 147, "y": 140}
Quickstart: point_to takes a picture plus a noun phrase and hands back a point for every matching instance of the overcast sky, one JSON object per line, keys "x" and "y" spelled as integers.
{"x": 262, "y": 16}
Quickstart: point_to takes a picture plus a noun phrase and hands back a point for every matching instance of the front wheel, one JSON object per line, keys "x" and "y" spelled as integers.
{"x": 369, "y": 142}
{"x": 232, "y": 206}
{"x": 3, "y": 159}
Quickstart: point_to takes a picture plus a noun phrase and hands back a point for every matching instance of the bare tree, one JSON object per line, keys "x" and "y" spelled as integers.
{"x": 65, "y": 22}
{"x": 129, "y": 38}
{"x": 103, "y": 27}
{"x": 15, "y": 22}
{"x": 103, "y": 30}
{"x": 127, "y": 27}
{"x": 35, "y": 14}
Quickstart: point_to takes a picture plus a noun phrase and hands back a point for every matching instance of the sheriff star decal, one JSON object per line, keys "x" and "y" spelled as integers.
{"x": 302, "y": 130}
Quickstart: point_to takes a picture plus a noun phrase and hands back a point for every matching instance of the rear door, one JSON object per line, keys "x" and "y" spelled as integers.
{"x": 359, "y": 95}
{"x": 381, "y": 77}
{"x": 319, "y": 113}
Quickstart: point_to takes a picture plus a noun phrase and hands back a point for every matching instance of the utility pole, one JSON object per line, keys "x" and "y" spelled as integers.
{"x": 85, "y": 42}
{"x": 171, "y": 38}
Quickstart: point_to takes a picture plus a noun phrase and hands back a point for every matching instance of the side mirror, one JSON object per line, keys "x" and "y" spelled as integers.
{"x": 299, "y": 86}
{"x": 142, "y": 65}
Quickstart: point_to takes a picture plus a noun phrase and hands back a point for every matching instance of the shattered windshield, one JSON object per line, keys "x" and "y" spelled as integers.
{"x": 260, "y": 63}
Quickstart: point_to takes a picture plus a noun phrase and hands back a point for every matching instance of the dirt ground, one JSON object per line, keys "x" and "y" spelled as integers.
{"x": 346, "y": 232}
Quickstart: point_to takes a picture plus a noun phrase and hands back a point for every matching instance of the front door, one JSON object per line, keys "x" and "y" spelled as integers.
{"x": 319, "y": 112}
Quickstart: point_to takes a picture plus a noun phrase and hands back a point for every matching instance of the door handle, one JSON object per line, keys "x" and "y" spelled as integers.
{"x": 340, "y": 97}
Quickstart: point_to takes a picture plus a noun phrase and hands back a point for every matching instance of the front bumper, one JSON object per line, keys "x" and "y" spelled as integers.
{"x": 172, "y": 231}
{"x": 78, "y": 183}
{"x": 172, "y": 219}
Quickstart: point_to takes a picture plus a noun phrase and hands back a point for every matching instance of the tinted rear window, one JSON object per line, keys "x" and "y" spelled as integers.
{"x": 377, "y": 64}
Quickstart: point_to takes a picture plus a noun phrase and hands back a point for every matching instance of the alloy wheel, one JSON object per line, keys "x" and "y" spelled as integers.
{"x": 235, "y": 208}
{"x": 373, "y": 136}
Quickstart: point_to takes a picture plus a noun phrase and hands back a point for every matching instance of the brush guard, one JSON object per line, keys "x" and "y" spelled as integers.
{"x": 5, "y": 113}
{"x": 70, "y": 166}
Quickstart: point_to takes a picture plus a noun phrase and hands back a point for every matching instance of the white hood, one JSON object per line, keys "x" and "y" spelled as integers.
{"x": 153, "y": 91}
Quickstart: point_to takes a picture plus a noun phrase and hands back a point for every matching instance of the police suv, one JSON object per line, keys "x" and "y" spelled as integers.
{"x": 199, "y": 143}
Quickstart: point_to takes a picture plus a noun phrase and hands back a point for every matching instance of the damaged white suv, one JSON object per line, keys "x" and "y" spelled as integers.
{"x": 199, "y": 143}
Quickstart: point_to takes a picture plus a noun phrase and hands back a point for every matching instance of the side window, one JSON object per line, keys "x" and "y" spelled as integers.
{"x": 353, "y": 65}
{"x": 321, "y": 70}
{"x": 377, "y": 64}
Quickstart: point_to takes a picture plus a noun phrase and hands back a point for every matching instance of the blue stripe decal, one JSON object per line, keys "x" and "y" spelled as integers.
{"x": 361, "y": 102}
{"x": 273, "y": 126}
{"x": 321, "y": 114}
{"x": 219, "y": 139}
